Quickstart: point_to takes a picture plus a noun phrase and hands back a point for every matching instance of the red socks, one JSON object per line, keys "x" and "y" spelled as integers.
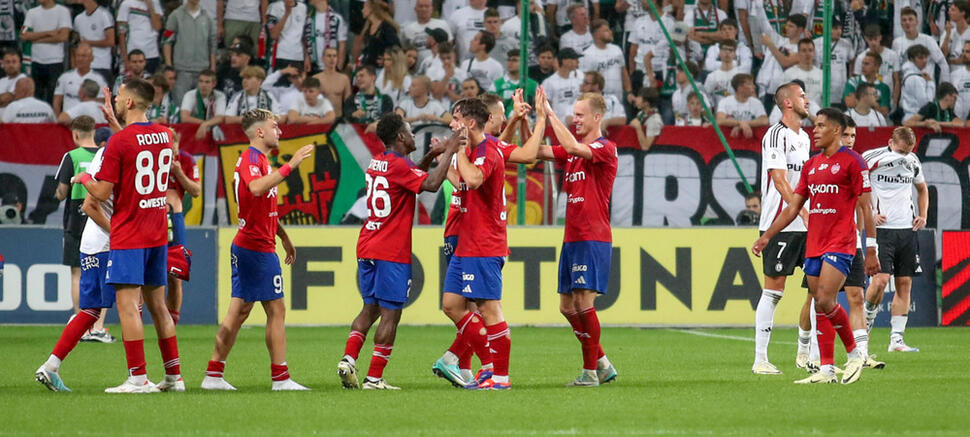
{"x": 354, "y": 342}
{"x": 170, "y": 355}
{"x": 472, "y": 331}
{"x": 465, "y": 357}
{"x": 826, "y": 339}
{"x": 75, "y": 329}
{"x": 135, "y": 354}
{"x": 216, "y": 369}
{"x": 500, "y": 341}
{"x": 279, "y": 372}
{"x": 382, "y": 353}
{"x": 591, "y": 347}
{"x": 840, "y": 322}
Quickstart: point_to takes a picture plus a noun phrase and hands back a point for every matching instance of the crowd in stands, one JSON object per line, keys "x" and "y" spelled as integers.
{"x": 902, "y": 62}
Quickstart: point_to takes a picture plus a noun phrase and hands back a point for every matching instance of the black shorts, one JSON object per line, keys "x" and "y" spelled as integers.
{"x": 72, "y": 249}
{"x": 783, "y": 253}
{"x": 356, "y": 16}
{"x": 898, "y": 252}
{"x": 857, "y": 273}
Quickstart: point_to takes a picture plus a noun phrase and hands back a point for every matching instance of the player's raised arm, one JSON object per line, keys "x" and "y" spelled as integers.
{"x": 784, "y": 219}
{"x": 109, "y": 111}
{"x": 434, "y": 180}
{"x": 566, "y": 138}
{"x": 260, "y": 186}
{"x": 529, "y": 151}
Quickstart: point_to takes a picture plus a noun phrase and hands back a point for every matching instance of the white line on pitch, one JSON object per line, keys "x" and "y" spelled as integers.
{"x": 726, "y": 337}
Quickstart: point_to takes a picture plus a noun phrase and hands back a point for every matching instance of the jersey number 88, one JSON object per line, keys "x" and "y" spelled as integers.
{"x": 146, "y": 175}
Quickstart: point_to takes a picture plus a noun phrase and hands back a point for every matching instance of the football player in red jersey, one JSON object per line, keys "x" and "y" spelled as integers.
{"x": 185, "y": 179}
{"x": 256, "y": 273}
{"x": 833, "y": 182}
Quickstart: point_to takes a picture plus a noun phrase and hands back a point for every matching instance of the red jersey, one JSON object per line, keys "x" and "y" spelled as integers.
{"x": 258, "y": 216}
{"x": 454, "y": 210}
{"x": 832, "y": 185}
{"x": 392, "y": 182}
{"x": 138, "y": 160}
{"x": 190, "y": 170}
{"x": 588, "y": 184}
{"x": 483, "y": 221}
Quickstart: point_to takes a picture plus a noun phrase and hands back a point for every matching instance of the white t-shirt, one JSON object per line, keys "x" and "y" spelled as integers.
{"x": 892, "y": 176}
{"x": 614, "y": 109}
{"x": 329, "y": 30}
{"x": 712, "y": 60}
{"x": 873, "y": 119}
{"x": 959, "y": 77}
{"x": 891, "y": 63}
{"x": 465, "y": 24}
{"x": 901, "y": 44}
{"x": 215, "y": 104}
{"x": 140, "y": 33}
{"x": 718, "y": 83}
{"x": 562, "y": 92}
{"x": 412, "y": 110}
{"x": 956, "y": 41}
{"x": 415, "y": 34}
{"x": 8, "y": 84}
{"x": 486, "y": 72}
{"x": 28, "y": 110}
{"x": 404, "y": 11}
{"x": 747, "y": 111}
{"x": 839, "y": 65}
{"x": 679, "y": 100}
{"x": 448, "y": 7}
{"x": 575, "y": 41}
{"x": 771, "y": 72}
{"x": 289, "y": 98}
{"x": 812, "y": 79}
{"x": 92, "y": 27}
{"x": 781, "y": 149}
{"x": 69, "y": 84}
{"x": 648, "y": 37}
{"x": 289, "y": 45}
{"x": 396, "y": 94}
{"x": 39, "y": 19}
{"x": 321, "y": 109}
{"x": 241, "y": 10}
{"x": 233, "y": 108}
{"x": 608, "y": 62}
{"x": 90, "y": 108}
{"x": 94, "y": 239}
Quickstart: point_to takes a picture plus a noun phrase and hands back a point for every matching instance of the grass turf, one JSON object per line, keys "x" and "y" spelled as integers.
{"x": 670, "y": 382}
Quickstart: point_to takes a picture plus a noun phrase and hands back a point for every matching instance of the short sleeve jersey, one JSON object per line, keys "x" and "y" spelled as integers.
{"x": 191, "y": 170}
{"x": 94, "y": 239}
{"x": 482, "y": 230}
{"x": 588, "y": 184}
{"x": 781, "y": 149}
{"x": 832, "y": 185}
{"x": 138, "y": 161}
{"x": 258, "y": 216}
{"x": 893, "y": 176}
{"x": 455, "y": 210}
{"x": 392, "y": 182}
{"x": 139, "y": 33}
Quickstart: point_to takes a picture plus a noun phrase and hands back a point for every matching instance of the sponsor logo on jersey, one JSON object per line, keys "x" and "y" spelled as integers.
{"x": 577, "y": 199}
{"x": 819, "y": 210}
{"x": 823, "y": 167}
{"x": 823, "y": 189}
{"x": 899, "y": 179}
{"x": 467, "y": 277}
{"x": 89, "y": 262}
{"x": 373, "y": 226}
{"x": 794, "y": 167}
{"x": 576, "y": 176}
{"x": 467, "y": 289}
{"x": 579, "y": 267}
{"x": 156, "y": 202}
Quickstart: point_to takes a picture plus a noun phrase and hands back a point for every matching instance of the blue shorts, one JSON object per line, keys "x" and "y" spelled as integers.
{"x": 451, "y": 244}
{"x": 841, "y": 261}
{"x": 95, "y": 293}
{"x": 384, "y": 283}
{"x": 256, "y": 276}
{"x": 475, "y": 277}
{"x": 584, "y": 265}
{"x": 176, "y": 228}
{"x": 138, "y": 266}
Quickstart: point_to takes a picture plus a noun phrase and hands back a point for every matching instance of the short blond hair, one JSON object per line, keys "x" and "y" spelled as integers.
{"x": 255, "y": 116}
{"x": 905, "y": 135}
{"x": 253, "y": 71}
{"x": 595, "y": 101}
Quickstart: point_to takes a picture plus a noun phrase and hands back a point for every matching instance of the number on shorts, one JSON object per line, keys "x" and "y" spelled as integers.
{"x": 783, "y": 245}
{"x": 278, "y": 284}
{"x": 377, "y": 189}
{"x": 147, "y": 178}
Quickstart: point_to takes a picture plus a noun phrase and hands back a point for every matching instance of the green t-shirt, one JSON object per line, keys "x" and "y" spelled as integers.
{"x": 75, "y": 162}
{"x": 885, "y": 94}
{"x": 505, "y": 88}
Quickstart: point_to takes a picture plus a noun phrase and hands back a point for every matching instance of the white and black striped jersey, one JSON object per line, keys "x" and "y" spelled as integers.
{"x": 781, "y": 149}
{"x": 893, "y": 176}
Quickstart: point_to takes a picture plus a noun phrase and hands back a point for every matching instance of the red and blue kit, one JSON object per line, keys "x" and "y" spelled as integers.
{"x": 256, "y": 273}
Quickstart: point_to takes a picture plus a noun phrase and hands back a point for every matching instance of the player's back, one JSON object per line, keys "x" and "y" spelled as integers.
{"x": 893, "y": 175}
{"x": 781, "y": 149}
{"x": 589, "y": 184}
{"x": 483, "y": 223}
{"x": 138, "y": 161}
{"x": 258, "y": 215}
{"x": 392, "y": 182}
{"x": 832, "y": 185}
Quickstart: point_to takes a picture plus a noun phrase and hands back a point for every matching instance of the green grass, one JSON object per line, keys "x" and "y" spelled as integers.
{"x": 670, "y": 382}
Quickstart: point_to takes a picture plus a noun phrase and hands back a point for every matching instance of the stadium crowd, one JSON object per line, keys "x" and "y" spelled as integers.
{"x": 893, "y": 63}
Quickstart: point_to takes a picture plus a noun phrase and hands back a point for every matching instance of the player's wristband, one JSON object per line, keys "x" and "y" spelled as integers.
{"x": 285, "y": 170}
{"x": 84, "y": 178}
{"x": 871, "y": 242}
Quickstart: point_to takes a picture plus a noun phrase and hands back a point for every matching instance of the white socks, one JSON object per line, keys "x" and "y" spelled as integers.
{"x": 349, "y": 358}
{"x": 813, "y": 354}
{"x": 764, "y": 317}
{"x": 53, "y": 363}
{"x": 603, "y": 363}
{"x": 450, "y": 358}
{"x": 861, "y": 342}
{"x": 898, "y": 324}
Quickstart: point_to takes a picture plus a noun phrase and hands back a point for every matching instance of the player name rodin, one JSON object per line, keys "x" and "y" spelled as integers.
{"x": 153, "y": 138}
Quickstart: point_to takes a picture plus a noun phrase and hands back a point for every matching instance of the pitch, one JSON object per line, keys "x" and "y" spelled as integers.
{"x": 671, "y": 382}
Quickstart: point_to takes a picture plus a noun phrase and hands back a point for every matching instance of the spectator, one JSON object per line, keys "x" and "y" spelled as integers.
{"x": 334, "y": 84}
{"x": 938, "y": 114}
{"x": 503, "y": 41}
{"x": 871, "y": 62}
{"x": 285, "y": 20}
{"x": 718, "y": 82}
{"x": 240, "y": 17}
{"x": 136, "y": 68}
{"x": 678, "y": 100}
{"x": 918, "y": 86}
{"x": 325, "y": 28}
{"x": 367, "y": 105}
{"x": 230, "y": 81}
{"x": 912, "y": 36}
{"x": 11, "y": 70}
{"x": 68, "y": 84}
{"x": 751, "y": 214}
{"x": 394, "y": 80}
{"x": 419, "y": 34}
{"x": 728, "y": 30}
{"x": 842, "y": 54}
{"x": 547, "y": 63}
{"x": 449, "y": 7}
{"x": 470, "y": 88}
{"x": 538, "y": 35}
{"x": 505, "y": 86}
{"x": 379, "y": 33}
{"x": 190, "y": 44}
{"x": 779, "y": 54}
{"x": 311, "y": 107}
{"x": 562, "y": 88}
{"x": 285, "y": 86}
{"x": 96, "y": 27}
{"x": 466, "y": 23}
{"x": 88, "y": 105}
{"x": 204, "y": 105}
{"x": 742, "y": 111}
{"x": 252, "y": 96}
{"x": 557, "y": 11}
{"x": 957, "y": 31}
{"x": 647, "y": 124}
{"x": 607, "y": 59}
{"x": 579, "y": 38}
{"x": 404, "y": 10}
{"x": 434, "y": 38}
{"x": 632, "y": 10}
{"x": 891, "y": 64}
{"x": 164, "y": 109}
{"x": 648, "y": 45}
{"x": 704, "y": 20}
{"x": 614, "y": 115}
{"x": 695, "y": 112}
{"x": 138, "y": 27}
{"x": 960, "y": 77}
{"x": 170, "y": 75}
{"x": 46, "y": 29}
{"x": 419, "y": 109}
{"x": 446, "y": 80}
{"x": 865, "y": 112}
{"x": 482, "y": 67}
{"x": 26, "y": 108}
{"x": 806, "y": 71}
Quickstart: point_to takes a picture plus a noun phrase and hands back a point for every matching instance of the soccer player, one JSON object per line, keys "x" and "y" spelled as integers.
{"x": 256, "y": 273}
{"x": 784, "y": 149}
{"x": 95, "y": 294}
{"x": 185, "y": 179}
{"x": 833, "y": 182}
{"x": 136, "y": 170}
{"x": 895, "y": 170}
{"x": 384, "y": 246}
{"x": 589, "y": 161}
